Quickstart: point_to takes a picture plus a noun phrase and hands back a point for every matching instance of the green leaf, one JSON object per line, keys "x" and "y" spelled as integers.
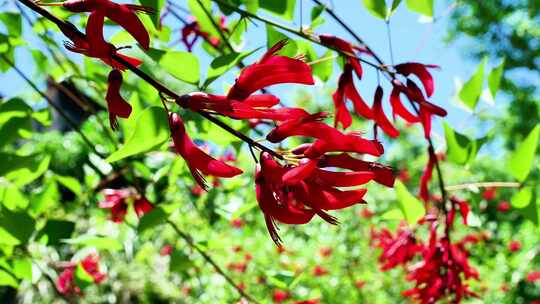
{"x": 521, "y": 161}
{"x": 472, "y": 89}
{"x": 316, "y": 16}
{"x": 222, "y": 64}
{"x": 410, "y": 206}
{"x": 180, "y": 262}
{"x": 98, "y": 242}
{"x": 532, "y": 210}
{"x": 156, "y": 5}
{"x": 70, "y": 182}
{"x": 55, "y": 231}
{"x": 19, "y": 225}
{"x": 82, "y": 278}
{"x": 200, "y": 15}
{"x": 282, "y": 279}
{"x": 6, "y": 279}
{"x": 494, "y": 79}
{"x": 152, "y": 219}
{"x": 273, "y": 37}
{"x": 423, "y": 7}
{"x": 13, "y": 23}
{"x": 393, "y": 7}
{"x": 22, "y": 269}
{"x": 11, "y": 197}
{"x": 323, "y": 68}
{"x": 376, "y": 7}
{"x": 181, "y": 65}
{"x": 46, "y": 199}
{"x": 282, "y": 8}
{"x": 151, "y": 130}
{"x": 392, "y": 215}
{"x": 522, "y": 198}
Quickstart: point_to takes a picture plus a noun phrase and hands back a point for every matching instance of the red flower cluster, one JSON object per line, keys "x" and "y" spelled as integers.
{"x": 441, "y": 272}
{"x": 514, "y": 246}
{"x": 347, "y": 90}
{"x": 193, "y": 31}
{"x": 117, "y": 201}
{"x": 397, "y": 250}
{"x": 65, "y": 282}
{"x": 94, "y": 44}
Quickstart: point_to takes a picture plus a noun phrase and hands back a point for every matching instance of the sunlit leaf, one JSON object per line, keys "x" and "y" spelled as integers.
{"x": 411, "y": 207}
{"x": 494, "y": 79}
{"x": 98, "y": 242}
{"x": 82, "y": 278}
{"x": 424, "y": 7}
{"x": 376, "y": 7}
{"x": 324, "y": 66}
{"x": 13, "y": 23}
{"x": 283, "y": 8}
{"x": 472, "y": 89}
{"x": 151, "y": 130}
{"x": 6, "y": 279}
{"x": 182, "y": 65}
{"x": 521, "y": 160}
{"x": 522, "y": 198}
{"x": 222, "y": 64}
{"x": 273, "y": 37}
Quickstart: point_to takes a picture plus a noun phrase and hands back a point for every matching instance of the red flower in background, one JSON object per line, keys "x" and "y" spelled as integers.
{"x": 192, "y": 30}
{"x": 533, "y": 276}
{"x": 514, "y": 246}
{"x": 325, "y": 252}
{"x": 379, "y": 116}
{"x": 66, "y": 280}
{"x": 166, "y": 250}
{"x": 503, "y": 206}
{"x": 426, "y": 177}
{"x": 359, "y": 284}
{"x": 489, "y": 194}
{"x": 312, "y": 301}
{"x": 237, "y": 223}
{"x": 279, "y": 296}
{"x": 397, "y": 250}
{"x": 116, "y": 200}
{"x": 366, "y": 213}
{"x": 319, "y": 271}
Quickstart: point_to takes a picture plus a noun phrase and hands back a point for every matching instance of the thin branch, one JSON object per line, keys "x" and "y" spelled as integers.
{"x": 216, "y": 26}
{"x": 470, "y": 186}
{"x": 146, "y": 77}
{"x": 219, "y": 270}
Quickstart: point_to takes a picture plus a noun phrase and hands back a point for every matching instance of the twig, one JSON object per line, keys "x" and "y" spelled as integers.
{"x": 189, "y": 241}
{"x": 483, "y": 185}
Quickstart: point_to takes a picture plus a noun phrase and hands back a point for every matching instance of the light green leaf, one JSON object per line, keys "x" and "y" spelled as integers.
{"x": 392, "y": 215}
{"x": 46, "y": 199}
{"x": 98, "y": 242}
{"x": 182, "y": 65}
{"x": 376, "y": 7}
{"x": 282, "y": 8}
{"x": 323, "y": 68}
{"x": 22, "y": 269}
{"x": 11, "y": 197}
{"x": 6, "y": 279}
{"x": 494, "y": 79}
{"x": 273, "y": 37}
{"x": 156, "y": 5}
{"x": 521, "y": 161}
{"x": 522, "y": 198}
{"x": 200, "y": 15}
{"x": 410, "y": 206}
{"x": 222, "y": 64}
{"x": 13, "y": 23}
{"x": 82, "y": 278}
{"x": 69, "y": 182}
{"x": 423, "y": 7}
{"x": 151, "y": 130}
{"x": 472, "y": 89}
{"x": 316, "y": 16}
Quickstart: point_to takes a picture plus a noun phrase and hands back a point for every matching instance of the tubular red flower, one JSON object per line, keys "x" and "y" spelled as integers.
{"x": 419, "y": 70}
{"x": 426, "y": 177}
{"x": 384, "y": 175}
{"x": 142, "y": 206}
{"x": 397, "y": 250}
{"x": 65, "y": 283}
{"x": 122, "y": 14}
{"x": 398, "y": 108}
{"x": 116, "y": 104}
{"x": 270, "y": 70}
{"x": 346, "y": 47}
{"x": 115, "y": 199}
{"x": 380, "y": 117}
{"x": 198, "y": 161}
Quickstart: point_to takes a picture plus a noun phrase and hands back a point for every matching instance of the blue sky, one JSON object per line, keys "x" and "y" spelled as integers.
{"x": 412, "y": 41}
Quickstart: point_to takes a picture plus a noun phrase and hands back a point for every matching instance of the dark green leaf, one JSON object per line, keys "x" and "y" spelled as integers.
{"x": 222, "y": 64}
{"x": 180, "y": 262}
{"x": 152, "y": 219}
{"x": 376, "y": 7}
{"x": 282, "y": 8}
{"x": 56, "y": 230}
{"x": 13, "y": 23}
{"x": 18, "y": 225}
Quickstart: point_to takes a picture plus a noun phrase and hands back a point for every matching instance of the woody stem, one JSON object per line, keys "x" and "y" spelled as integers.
{"x": 157, "y": 85}
{"x": 189, "y": 240}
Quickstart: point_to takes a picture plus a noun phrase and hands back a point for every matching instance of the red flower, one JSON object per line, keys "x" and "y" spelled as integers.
{"x": 366, "y": 213}
{"x": 66, "y": 280}
{"x": 397, "y": 250}
{"x": 379, "y": 116}
{"x": 325, "y": 252}
{"x": 533, "y": 276}
{"x": 142, "y": 206}
{"x": 115, "y": 199}
{"x": 237, "y": 223}
{"x": 346, "y": 47}
{"x": 383, "y": 174}
{"x": 404, "y": 176}
{"x": 398, "y": 109}
{"x": 514, "y": 246}
{"x": 489, "y": 194}
{"x": 279, "y": 296}
{"x": 94, "y": 45}
{"x": 312, "y": 301}
{"x": 504, "y": 287}
{"x": 503, "y": 206}
{"x": 319, "y": 271}
{"x": 347, "y": 90}
{"x": 166, "y": 250}
{"x": 122, "y": 14}
{"x": 193, "y": 29}
{"x": 464, "y": 209}
{"x": 270, "y": 70}
{"x": 360, "y": 284}
{"x": 198, "y": 161}
{"x": 116, "y": 104}
{"x": 426, "y": 177}
{"x": 419, "y": 70}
